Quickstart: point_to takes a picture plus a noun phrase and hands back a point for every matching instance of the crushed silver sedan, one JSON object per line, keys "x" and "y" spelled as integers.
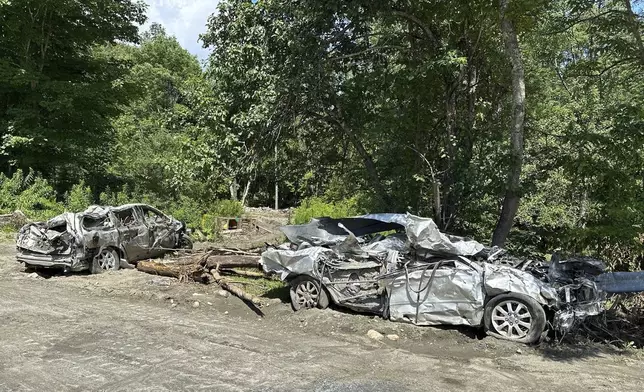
{"x": 419, "y": 275}
{"x": 100, "y": 238}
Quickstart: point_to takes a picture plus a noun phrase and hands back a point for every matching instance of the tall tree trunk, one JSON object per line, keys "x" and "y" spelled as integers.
{"x": 277, "y": 188}
{"x": 234, "y": 189}
{"x": 634, "y": 27}
{"x": 436, "y": 192}
{"x": 245, "y": 194}
{"x": 512, "y": 194}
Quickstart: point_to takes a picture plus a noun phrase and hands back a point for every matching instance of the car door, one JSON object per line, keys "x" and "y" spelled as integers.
{"x": 453, "y": 296}
{"x": 162, "y": 235}
{"x": 134, "y": 234}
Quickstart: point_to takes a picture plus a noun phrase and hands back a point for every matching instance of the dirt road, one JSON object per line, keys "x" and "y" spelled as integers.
{"x": 128, "y": 331}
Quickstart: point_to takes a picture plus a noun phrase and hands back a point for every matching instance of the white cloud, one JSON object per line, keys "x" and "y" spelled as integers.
{"x": 185, "y": 19}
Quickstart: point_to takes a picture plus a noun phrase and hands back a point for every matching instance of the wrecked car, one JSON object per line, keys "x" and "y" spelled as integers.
{"x": 419, "y": 275}
{"x": 100, "y": 238}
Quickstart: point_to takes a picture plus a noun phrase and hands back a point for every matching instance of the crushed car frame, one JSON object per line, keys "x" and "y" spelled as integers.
{"x": 425, "y": 277}
{"x": 100, "y": 238}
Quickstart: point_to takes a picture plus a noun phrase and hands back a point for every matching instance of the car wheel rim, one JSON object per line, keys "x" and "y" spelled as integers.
{"x": 106, "y": 260}
{"x": 307, "y": 294}
{"x": 511, "y": 319}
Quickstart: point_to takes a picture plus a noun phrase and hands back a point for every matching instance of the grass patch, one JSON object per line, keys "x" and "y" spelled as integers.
{"x": 262, "y": 287}
{"x": 7, "y": 234}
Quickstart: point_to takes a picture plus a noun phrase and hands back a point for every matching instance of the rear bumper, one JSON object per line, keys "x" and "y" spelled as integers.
{"x": 63, "y": 261}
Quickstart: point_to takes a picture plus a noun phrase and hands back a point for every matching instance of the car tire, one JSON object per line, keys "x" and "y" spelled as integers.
{"x": 107, "y": 259}
{"x": 185, "y": 242}
{"x": 515, "y": 317}
{"x": 306, "y": 293}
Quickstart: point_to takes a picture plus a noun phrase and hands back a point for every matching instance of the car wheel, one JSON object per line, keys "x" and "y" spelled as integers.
{"x": 107, "y": 259}
{"x": 185, "y": 242}
{"x": 515, "y": 317}
{"x": 307, "y": 293}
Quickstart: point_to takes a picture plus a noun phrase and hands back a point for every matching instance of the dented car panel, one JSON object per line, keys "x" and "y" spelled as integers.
{"x": 72, "y": 240}
{"x": 455, "y": 296}
{"x": 500, "y": 279}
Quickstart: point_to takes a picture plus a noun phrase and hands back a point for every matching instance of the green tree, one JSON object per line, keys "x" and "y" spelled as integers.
{"x": 166, "y": 133}
{"x": 56, "y": 95}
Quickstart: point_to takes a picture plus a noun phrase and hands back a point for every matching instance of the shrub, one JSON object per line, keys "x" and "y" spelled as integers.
{"x": 187, "y": 210}
{"x": 79, "y": 197}
{"x": 29, "y": 193}
{"x": 226, "y": 208}
{"x": 219, "y": 208}
{"x": 316, "y": 207}
{"x": 109, "y": 198}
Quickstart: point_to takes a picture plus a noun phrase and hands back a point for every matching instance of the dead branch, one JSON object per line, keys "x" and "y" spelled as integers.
{"x": 248, "y": 274}
{"x": 231, "y": 251}
{"x": 236, "y": 291}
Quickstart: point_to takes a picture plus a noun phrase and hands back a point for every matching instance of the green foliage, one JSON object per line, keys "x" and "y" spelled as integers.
{"x": 186, "y": 210}
{"x": 57, "y": 94}
{"x": 111, "y": 198}
{"x": 30, "y": 194}
{"x": 220, "y": 208}
{"x": 226, "y": 208}
{"x": 316, "y": 207}
{"x": 79, "y": 197}
{"x": 166, "y": 133}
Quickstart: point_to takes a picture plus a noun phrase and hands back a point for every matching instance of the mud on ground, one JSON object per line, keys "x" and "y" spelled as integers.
{"x": 126, "y": 330}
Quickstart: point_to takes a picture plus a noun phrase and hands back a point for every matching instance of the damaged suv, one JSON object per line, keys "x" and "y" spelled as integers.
{"x": 420, "y": 275}
{"x": 100, "y": 238}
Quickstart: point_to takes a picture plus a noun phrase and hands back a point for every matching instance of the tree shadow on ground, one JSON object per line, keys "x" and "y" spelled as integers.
{"x": 280, "y": 292}
{"x": 570, "y": 352}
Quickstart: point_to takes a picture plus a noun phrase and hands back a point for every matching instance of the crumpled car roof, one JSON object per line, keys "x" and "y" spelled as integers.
{"x": 422, "y": 233}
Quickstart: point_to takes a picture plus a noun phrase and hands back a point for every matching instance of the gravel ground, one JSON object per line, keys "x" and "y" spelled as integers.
{"x": 128, "y": 331}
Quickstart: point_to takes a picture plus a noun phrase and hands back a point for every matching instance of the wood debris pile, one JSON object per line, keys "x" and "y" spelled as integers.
{"x": 622, "y": 325}
{"x": 212, "y": 265}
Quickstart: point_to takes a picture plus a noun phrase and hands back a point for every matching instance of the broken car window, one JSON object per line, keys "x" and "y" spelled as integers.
{"x": 152, "y": 216}
{"x": 126, "y": 217}
{"x": 96, "y": 223}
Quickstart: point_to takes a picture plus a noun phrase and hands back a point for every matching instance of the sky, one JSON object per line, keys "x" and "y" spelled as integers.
{"x": 185, "y": 19}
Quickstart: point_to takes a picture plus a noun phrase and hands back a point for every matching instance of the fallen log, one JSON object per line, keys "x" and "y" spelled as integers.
{"x": 181, "y": 272}
{"x": 236, "y": 291}
{"x": 235, "y": 261}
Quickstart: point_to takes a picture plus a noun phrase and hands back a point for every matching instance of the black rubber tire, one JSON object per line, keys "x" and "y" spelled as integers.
{"x": 537, "y": 314}
{"x": 95, "y": 268}
{"x": 323, "y": 297}
{"x": 185, "y": 242}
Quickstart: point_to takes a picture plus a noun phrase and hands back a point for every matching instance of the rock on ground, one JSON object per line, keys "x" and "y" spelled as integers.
{"x": 375, "y": 335}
